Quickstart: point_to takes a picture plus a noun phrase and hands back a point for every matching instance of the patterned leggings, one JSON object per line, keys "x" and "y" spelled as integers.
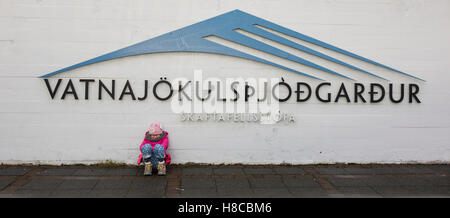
{"x": 153, "y": 155}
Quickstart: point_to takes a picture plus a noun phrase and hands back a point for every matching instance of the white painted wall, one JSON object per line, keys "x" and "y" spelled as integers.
{"x": 38, "y": 37}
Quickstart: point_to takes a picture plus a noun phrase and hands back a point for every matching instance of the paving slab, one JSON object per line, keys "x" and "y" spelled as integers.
{"x": 232, "y": 183}
{"x": 198, "y": 183}
{"x": 198, "y": 171}
{"x": 123, "y": 183}
{"x": 361, "y": 170}
{"x": 414, "y": 181}
{"x": 331, "y": 170}
{"x": 300, "y": 182}
{"x": 42, "y": 184}
{"x": 359, "y": 192}
{"x": 439, "y": 180}
{"x": 266, "y": 183}
{"x": 108, "y": 193}
{"x": 440, "y": 168}
{"x": 24, "y": 193}
{"x": 60, "y": 171}
{"x": 4, "y": 182}
{"x": 235, "y": 192}
{"x": 14, "y": 171}
{"x": 198, "y": 193}
{"x": 414, "y": 169}
{"x": 73, "y": 193}
{"x": 91, "y": 172}
{"x": 228, "y": 171}
{"x": 259, "y": 171}
{"x": 389, "y": 170}
{"x": 391, "y": 192}
{"x": 70, "y": 184}
{"x": 149, "y": 193}
{"x": 350, "y": 181}
{"x": 310, "y": 192}
{"x": 127, "y": 171}
{"x": 375, "y": 181}
{"x": 289, "y": 171}
{"x": 271, "y": 193}
{"x": 429, "y": 191}
{"x": 148, "y": 183}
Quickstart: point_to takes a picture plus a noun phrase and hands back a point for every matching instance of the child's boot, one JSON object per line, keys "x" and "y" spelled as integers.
{"x": 148, "y": 169}
{"x": 161, "y": 168}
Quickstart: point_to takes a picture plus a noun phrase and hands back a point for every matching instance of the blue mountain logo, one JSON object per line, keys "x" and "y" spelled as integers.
{"x": 192, "y": 39}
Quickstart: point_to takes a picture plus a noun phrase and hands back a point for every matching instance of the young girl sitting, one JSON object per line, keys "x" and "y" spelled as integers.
{"x": 153, "y": 150}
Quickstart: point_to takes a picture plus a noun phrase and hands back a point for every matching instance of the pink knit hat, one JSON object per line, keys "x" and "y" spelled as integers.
{"x": 155, "y": 128}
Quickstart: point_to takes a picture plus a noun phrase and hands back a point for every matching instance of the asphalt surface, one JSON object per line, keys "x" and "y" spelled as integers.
{"x": 241, "y": 181}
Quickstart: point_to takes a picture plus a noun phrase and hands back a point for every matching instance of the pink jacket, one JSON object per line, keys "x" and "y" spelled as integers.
{"x": 164, "y": 142}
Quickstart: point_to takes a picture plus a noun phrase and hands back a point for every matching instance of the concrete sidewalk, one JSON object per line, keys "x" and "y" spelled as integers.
{"x": 228, "y": 181}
